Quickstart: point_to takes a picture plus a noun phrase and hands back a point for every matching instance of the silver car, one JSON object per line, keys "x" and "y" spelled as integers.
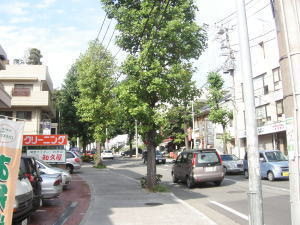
{"x": 232, "y": 164}
{"x": 51, "y": 185}
{"x": 73, "y": 161}
{"x": 48, "y": 169}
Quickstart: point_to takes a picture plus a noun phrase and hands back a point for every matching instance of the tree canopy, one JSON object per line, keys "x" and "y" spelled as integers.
{"x": 161, "y": 37}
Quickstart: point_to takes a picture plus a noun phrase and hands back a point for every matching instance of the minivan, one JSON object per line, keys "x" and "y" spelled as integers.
{"x": 198, "y": 166}
{"x": 273, "y": 165}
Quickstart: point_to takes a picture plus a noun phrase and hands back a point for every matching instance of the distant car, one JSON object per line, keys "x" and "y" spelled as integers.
{"x": 107, "y": 154}
{"x": 159, "y": 158}
{"x": 73, "y": 161}
{"x": 131, "y": 153}
{"x": 197, "y": 166}
{"x": 273, "y": 165}
{"x": 29, "y": 168}
{"x": 232, "y": 164}
{"x": 90, "y": 154}
{"x": 48, "y": 169}
{"x": 51, "y": 185}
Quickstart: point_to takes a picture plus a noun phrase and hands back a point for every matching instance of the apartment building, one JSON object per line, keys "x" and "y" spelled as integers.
{"x": 5, "y": 99}
{"x": 31, "y": 89}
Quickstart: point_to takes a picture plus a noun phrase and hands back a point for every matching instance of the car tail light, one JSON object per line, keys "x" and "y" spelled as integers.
{"x": 29, "y": 176}
{"x": 57, "y": 182}
{"x": 219, "y": 158}
{"x": 77, "y": 160}
{"x": 194, "y": 160}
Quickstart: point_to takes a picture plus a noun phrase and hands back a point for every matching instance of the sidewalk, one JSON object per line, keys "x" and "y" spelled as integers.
{"x": 119, "y": 200}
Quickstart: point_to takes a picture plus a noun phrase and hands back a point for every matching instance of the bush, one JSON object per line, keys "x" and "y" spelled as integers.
{"x": 85, "y": 158}
{"x": 100, "y": 166}
{"x": 143, "y": 180}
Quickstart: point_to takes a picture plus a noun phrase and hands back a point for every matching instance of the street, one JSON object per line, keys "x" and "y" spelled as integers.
{"x": 226, "y": 204}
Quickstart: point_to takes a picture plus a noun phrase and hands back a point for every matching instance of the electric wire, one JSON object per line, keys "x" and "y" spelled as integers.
{"x": 106, "y": 32}
{"x": 97, "y": 38}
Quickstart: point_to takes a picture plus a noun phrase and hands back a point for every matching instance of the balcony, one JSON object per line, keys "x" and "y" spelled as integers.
{"x": 21, "y": 92}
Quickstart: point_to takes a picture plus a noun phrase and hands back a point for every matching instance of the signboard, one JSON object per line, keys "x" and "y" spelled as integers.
{"x": 267, "y": 129}
{"x": 46, "y": 127}
{"x": 49, "y": 155}
{"x": 290, "y": 138}
{"x": 45, "y": 139}
{"x": 10, "y": 155}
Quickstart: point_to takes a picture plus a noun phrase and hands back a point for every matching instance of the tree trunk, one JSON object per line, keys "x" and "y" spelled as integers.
{"x": 186, "y": 140}
{"x": 151, "y": 165}
{"x": 224, "y": 140}
{"x": 97, "y": 159}
{"x": 130, "y": 138}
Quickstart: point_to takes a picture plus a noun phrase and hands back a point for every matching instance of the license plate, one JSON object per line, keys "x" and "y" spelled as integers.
{"x": 159, "y": 160}
{"x": 285, "y": 174}
{"x": 210, "y": 169}
{"x": 24, "y": 222}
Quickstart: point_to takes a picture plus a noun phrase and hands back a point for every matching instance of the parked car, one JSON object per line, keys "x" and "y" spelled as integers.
{"x": 232, "y": 164}
{"x": 131, "y": 153}
{"x": 23, "y": 200}
{"x": 197, "y": 166}
{"x": 30, "y": 170}
{"x": 48, "y": 169}
{"x": 273, "y": 165}
{"x": 73, "y": 161}
{"x": 51, "y": 185}
{"x": 107, "y": 154}
{"x": 159, "y": 158}
{"x": 90, "y": 154}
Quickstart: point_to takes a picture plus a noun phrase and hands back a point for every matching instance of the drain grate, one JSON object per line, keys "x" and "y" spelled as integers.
{"x": 153, "y": 203}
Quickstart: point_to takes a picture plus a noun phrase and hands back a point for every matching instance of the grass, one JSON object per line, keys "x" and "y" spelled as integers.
{"x": 100, "y": 166}
{"x": 160, "y": 188}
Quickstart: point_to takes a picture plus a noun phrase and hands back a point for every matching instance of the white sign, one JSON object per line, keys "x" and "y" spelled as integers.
{"x": 290, "y": 138}
{"x": 267, "y": 129}
{"x": 49, "y": 155}
{"x": 10, "y": 154}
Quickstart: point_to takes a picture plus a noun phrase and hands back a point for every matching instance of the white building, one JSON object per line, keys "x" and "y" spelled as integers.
{"x": 5, "y": 99}
{"x": 30, "y": 88}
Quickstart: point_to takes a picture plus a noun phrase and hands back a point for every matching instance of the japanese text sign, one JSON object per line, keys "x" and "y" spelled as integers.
{"x": 45, "y": 139}
{"x": 10, "y": 155}
{"x": 49, "y": 155}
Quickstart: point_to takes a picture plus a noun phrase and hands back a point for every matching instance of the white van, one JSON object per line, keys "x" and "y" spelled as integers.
{"x": 23, "y": 200}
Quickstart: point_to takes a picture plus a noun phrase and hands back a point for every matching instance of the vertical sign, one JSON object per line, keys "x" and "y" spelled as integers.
{"x": 10, "y": 154}
{"x": 290, "y": 138}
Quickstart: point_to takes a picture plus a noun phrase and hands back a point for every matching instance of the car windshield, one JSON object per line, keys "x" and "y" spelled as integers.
{"x": 208, "y": 157}
{"x": 229, "y": 158}
{"x": 43, "y": 163}
{"x": 107, "y": 151}
{"x": 158, "y": 153}
{"x": 275, "y": 156}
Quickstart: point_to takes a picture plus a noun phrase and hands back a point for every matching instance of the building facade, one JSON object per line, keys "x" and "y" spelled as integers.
{"x": 31, "y": 89}
{"x": 5, "y": 98}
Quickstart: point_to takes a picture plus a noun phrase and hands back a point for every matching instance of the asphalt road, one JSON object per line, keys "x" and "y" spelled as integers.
{"x": 226, "y": 204}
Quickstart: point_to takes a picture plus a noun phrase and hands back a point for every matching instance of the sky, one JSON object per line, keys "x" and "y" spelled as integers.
{"x": 62, "y": 29}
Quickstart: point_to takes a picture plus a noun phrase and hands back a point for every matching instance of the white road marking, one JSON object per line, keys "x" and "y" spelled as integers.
{"x": 230, "y": 210}
{"x": 264, "y": 185}
{"x": 193, "y": 209}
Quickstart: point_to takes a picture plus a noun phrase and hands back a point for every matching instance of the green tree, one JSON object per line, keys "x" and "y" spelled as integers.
{"x": 218, "y": 114}
{"x": 34, "y": 57}
{"x": 69, "y": 120}
{"x": 161, "y": 37}
{"x": 95, "y": 103}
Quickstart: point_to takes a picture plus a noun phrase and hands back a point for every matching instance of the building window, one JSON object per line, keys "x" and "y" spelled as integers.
{"x": 24, "y": 115}
{"x": 279, "y": 109}
{"x": 260, "y": 86}
{"x": 262, "y": 115}
{"x": 22, "y": 89}
{"x": 277, "y": 79}
{"x": 9, "y": 114}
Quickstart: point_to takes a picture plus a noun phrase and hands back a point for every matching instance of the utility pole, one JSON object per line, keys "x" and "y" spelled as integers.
{"x": 255, "y": 191}
{"x": 136, "y": 140}
{"x": 287, "y": 20}
{"x": 193, "y": 122}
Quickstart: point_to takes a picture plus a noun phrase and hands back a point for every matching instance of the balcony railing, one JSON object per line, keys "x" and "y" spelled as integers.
{"x": 21, "y": 92}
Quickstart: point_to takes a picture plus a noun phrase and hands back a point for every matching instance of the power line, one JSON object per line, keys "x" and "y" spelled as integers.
{"x": 96, "y": 40}
{"x": 110, "y": 39}
{"x": 106, "y": 31}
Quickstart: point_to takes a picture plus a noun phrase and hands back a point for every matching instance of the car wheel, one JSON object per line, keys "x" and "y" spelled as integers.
{"x": 218, "y": 183}
{"x": 189, "y": 182}
{"x": 271, "y": 176}
{"x": 175, "y": 180}
{"x": 225, "y": 169}
{"x": 246, "y": 175}
{"x": 70, "y": 168}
